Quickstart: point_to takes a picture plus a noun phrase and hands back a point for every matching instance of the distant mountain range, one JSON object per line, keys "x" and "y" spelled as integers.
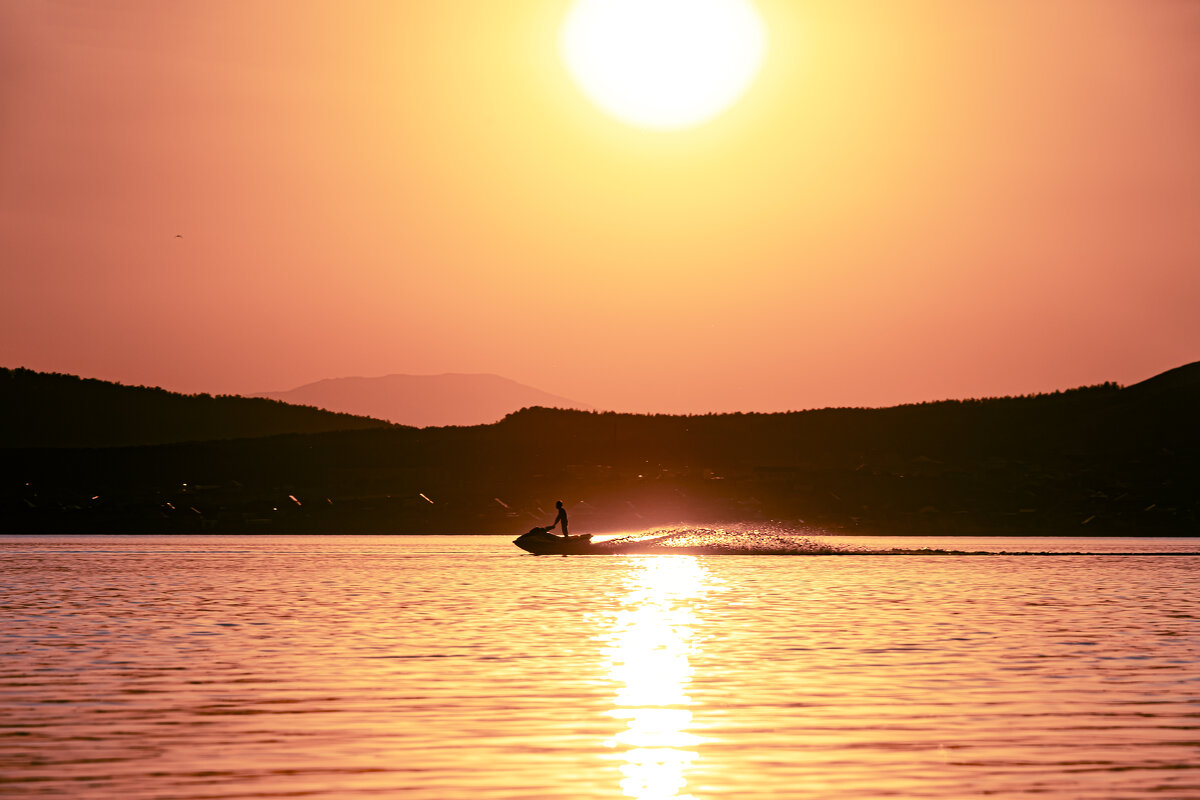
{"x": 44, "y": 409}
{"x": 1100, "y": 460}
{"x": 425, "y": 400}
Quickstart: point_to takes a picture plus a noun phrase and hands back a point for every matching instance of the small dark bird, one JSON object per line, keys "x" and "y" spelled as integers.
{"x": 179, "y": 236}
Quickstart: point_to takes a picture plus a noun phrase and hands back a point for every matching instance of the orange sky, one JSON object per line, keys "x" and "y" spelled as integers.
{"x": 916, "y": 200}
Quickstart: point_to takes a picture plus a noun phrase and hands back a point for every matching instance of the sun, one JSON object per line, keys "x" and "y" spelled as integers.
{"x": 664, "y": 64}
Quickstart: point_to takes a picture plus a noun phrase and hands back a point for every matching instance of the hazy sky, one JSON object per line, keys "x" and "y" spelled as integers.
{"x": 916, "y": 200}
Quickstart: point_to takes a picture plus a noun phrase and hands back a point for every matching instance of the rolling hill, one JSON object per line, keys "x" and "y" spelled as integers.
{"x": 40, "y": 409}
{"x": 1100, "y": 460}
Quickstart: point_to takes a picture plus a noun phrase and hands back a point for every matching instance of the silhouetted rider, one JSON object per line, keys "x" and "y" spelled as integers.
{"x": 562, "y": 517}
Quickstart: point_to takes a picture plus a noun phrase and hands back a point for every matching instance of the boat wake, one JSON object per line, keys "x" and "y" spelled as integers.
{"x": 748, "y": 539}
{"x": 731, "y": 540}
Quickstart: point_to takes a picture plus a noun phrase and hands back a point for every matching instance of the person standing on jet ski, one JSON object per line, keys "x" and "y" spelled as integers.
{"x": 562, "y": 517}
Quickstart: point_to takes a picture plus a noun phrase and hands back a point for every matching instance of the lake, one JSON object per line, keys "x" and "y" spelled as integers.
{"x": 459, "y": 667}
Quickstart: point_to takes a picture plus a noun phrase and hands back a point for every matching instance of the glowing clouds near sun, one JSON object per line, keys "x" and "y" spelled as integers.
{"x": 663, "y": 64}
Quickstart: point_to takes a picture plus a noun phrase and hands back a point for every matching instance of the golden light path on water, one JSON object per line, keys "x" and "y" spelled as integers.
{"x": 648, "y": 641}
{"x": 453, "y": 668}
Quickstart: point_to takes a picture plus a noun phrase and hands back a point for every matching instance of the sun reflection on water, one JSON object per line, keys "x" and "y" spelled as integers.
{"x": 648, "y": 643}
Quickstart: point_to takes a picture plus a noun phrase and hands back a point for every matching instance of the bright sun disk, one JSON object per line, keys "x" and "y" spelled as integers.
{"x": 663, "y": 64}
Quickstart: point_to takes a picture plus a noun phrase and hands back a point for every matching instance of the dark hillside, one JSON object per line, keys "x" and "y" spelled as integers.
{"x": 39, "y": 409}
{"x": 1165, "y": 409}
{"x": 1093, "y": 461}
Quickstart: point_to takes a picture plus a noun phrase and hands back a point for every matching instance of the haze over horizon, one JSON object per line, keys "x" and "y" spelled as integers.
{"x": 929, "y": 200}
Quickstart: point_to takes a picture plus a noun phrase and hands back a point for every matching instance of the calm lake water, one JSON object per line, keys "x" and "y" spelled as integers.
{"x": 459, "y": 667}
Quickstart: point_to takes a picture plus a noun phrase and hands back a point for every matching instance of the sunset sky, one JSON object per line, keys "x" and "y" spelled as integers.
{"x": 914, "y": 200}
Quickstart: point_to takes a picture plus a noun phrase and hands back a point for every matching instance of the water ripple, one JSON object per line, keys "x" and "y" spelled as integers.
{"x": 344, "y": 667}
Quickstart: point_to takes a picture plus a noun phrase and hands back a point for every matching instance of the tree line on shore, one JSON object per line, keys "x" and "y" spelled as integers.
{"x": 1101, "y": 460}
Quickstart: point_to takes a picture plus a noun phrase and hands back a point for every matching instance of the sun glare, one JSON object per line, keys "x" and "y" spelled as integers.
{"x": 663, "y": 64}
{"x": 649, "y": 642}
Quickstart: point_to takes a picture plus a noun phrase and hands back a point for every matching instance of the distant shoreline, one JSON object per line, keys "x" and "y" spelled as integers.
{"x": 1099, "y": 461}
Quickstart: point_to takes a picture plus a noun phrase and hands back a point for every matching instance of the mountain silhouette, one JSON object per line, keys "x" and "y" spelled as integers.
{"x": 1180, "y": 380}
{"x": 1091, "y": 461}
{"x": 45, "y": 409}
{"x": 425, "y": 400}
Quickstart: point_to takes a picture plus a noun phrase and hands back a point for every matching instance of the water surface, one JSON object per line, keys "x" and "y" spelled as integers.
{"x": 456, "y": 667}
